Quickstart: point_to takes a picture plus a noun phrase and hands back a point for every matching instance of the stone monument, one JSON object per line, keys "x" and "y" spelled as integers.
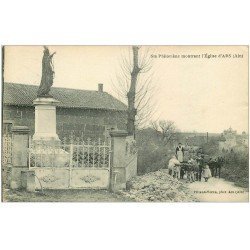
{"x": 45, "y": 104}
{"x": 45, "y": 135}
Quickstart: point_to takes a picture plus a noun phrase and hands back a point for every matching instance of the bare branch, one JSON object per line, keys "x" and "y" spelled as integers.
{"x": 135, "y": 84}
{"x": 167, "y": 129}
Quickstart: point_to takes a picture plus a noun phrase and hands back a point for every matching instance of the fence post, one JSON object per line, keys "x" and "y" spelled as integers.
{"x": 20, "y": 145}
{"x": 118, "y": 164}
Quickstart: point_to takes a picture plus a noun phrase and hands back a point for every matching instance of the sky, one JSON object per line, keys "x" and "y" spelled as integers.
{"x": 199, "y": 94}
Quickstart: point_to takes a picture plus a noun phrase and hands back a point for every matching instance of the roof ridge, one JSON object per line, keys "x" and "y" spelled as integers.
{"x": 68, "y": 97}
{"x": 55, "y": 87}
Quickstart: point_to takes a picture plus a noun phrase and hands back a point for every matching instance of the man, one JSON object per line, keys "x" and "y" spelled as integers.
{"x": 174, "y": 167}
{"x": 180, "y": 152}
{"x": 212, "y": 163}
{"x": 200, "y": 161}
{"x": 220, "y": 163}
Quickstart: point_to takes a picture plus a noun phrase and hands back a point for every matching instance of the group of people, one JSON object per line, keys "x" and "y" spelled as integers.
{"x": 193, "y": 169}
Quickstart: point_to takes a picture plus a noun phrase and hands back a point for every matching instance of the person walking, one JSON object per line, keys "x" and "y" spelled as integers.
{"x": 180, "y": 152}
{"x": 200, "y": 162}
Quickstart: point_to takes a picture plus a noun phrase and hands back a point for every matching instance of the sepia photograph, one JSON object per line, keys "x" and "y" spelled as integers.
{"x": 130, "y": 123}
{"x": 124, "y": 125}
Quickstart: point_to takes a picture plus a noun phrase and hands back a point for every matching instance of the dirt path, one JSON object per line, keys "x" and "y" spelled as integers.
{"x": 158, "y": 185}
{"x": 218, "y": 190}
{"x": 69, "y": 195}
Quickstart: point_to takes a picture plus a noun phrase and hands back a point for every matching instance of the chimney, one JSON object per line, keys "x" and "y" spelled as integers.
{"x": 100, "y": 87}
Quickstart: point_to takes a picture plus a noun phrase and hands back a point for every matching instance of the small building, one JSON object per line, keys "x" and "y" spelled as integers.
{"x": 227, "y": 140}
{"x": 230, "y": 140}
{"x": 81, "y": 113}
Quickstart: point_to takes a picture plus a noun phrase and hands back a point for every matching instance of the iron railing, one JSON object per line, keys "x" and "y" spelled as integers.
{"x": 71, "y": 153}
{"x": 7, "y": 149}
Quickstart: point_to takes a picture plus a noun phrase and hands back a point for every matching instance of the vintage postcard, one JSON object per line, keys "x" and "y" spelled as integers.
{"x": 125, "y": 124}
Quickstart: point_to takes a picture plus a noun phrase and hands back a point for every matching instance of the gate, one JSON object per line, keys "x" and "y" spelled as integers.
{"x": 77, "y": 164}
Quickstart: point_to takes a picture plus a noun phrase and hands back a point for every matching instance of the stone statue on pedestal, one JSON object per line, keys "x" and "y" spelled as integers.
{"x": 47, "y": 74}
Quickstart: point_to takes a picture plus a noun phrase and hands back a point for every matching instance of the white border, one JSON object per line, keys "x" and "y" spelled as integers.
{"x": 124, "y": 226}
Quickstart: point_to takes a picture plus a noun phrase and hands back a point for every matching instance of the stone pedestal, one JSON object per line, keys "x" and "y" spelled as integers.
{"x": 20, "y": 142}
{"x": 118, "y": 161}
{"x": 46, "y": 143}
{"x": 45, "y": 121}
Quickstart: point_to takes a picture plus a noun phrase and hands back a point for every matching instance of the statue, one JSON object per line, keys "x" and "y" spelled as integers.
{"x": 47, "y": 74}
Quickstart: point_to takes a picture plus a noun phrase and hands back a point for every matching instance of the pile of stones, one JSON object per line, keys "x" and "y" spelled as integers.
{"x": 157, "y": 186}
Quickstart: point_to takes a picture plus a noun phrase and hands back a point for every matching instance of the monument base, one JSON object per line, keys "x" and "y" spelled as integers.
{"x": 45, "y": 120}
{"x": 40, "y": 141}
{"x": 46, "y": 145}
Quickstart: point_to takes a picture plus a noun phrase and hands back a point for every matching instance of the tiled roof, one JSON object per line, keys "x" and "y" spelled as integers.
{"x": 24, "y": 95}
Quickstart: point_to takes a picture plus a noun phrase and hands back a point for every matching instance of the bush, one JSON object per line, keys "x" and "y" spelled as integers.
{"x": 150, "y": 160}
{"x": 211, "y": 147}
{"x": 236, "y": 168}
{"x": 152, "y": 153}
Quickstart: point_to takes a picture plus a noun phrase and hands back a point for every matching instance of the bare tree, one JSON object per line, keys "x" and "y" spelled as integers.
{"x": 166, "y": 130}
{"x": 134, "y": 85}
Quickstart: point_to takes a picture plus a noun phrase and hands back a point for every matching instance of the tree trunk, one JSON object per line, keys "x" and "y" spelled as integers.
{"x": 132, "y": 91}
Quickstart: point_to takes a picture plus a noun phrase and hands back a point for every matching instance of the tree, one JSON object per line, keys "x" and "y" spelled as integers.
{"x": 166, "y": 130}
{"x": 132, "y": 91}
{"x": 134, "y": 85}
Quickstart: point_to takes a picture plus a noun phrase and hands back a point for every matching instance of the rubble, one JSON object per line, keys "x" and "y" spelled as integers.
{"x": 157, "y": 186}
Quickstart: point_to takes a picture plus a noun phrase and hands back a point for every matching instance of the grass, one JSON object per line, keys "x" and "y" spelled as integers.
{"x": 240, "y": 180}
{"x": 69, "y": 195}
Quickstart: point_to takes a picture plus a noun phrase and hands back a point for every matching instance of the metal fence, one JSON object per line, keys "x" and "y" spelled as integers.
{"x": 75, "y": 153}
{"x": 7, "y": 149}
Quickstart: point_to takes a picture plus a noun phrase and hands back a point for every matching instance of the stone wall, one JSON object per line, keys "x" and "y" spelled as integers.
{"x": 92, "y": 123}
{"x": 123, "y": 160}
{"x": 131, "y": 168}
{"x": 131, "y": 157}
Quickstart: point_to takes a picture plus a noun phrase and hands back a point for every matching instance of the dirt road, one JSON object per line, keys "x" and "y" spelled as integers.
{"x": 218, "y": 190}
{"x": 69, "y": 195}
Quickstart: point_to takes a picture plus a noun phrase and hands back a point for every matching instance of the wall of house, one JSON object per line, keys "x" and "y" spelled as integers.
{"x": 77, "y": 122}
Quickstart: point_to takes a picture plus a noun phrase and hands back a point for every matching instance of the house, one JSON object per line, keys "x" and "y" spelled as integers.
{"x": 230, "y": 140}
{"x": 82, "y": 113}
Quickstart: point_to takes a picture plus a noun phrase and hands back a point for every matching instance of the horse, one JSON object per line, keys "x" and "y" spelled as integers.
{"x": 191, "y": 170}
{"x": 215, "y": 166}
